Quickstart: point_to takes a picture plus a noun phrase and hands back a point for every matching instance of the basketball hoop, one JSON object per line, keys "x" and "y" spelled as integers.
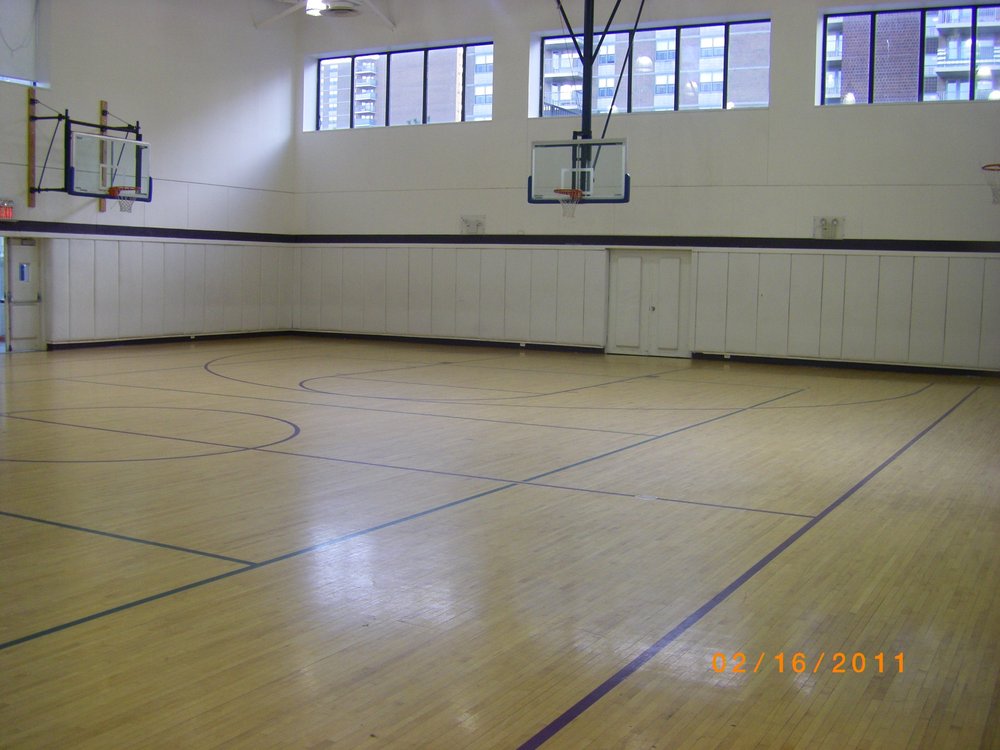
{"x": 569, "y": 198}
{"x": 992, "y": 173}
{"x": 125, "y": 197}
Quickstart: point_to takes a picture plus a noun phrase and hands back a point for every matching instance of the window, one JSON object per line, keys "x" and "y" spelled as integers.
{"x": 918, "y": 55}
{"x": 412, "y": 87}
{"x": 723, "y": 65}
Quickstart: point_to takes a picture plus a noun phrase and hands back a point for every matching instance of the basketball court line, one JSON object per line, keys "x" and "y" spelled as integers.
{"x": 209, "y": 365}
{"x": 125, "y": 537}
{"x": 578, "y": 708}
{"x": 350, "y": 407}
{"x": 172, "y": 438}
{"x": 524, "y": 395}
{"x": 338, "y": 540}
{"x": 654, "y": 438}
{"x": 359, "y": 378}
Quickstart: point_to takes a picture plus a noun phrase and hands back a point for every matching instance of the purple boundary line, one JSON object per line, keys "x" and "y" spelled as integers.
{"x": 578, "y": 708}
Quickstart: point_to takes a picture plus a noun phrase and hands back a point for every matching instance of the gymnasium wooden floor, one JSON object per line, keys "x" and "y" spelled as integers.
{"x": 298, "y": 542}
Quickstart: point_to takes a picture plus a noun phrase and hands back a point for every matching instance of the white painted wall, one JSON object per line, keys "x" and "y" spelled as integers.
{"x": 214, "y": 96}
{"x": 101, "y": 290}
{"x": 520, "y": 294}
{"x": 902, "y": 171}
{"x": 899, "y": 308}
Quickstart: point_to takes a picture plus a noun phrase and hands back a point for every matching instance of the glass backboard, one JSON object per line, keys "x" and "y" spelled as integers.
{"x": 97, "y": 163}
{"x": 597, "y": 167}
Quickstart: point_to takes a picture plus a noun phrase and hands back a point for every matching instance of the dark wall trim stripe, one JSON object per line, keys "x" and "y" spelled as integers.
{"x": 600, "y": 240}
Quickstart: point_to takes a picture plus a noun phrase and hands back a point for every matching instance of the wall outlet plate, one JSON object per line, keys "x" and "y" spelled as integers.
{"x": 829, "y": 227}
{"x": 473, "y": 225}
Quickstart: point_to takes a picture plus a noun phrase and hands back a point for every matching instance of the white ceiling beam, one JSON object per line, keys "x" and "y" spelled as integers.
{"x": 287, "y": 12}
{"x": 377, "y": 7}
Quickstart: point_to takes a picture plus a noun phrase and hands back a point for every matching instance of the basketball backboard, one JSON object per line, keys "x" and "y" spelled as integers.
{"x": 597, "y": 167}
{"x": 96, "y": 163}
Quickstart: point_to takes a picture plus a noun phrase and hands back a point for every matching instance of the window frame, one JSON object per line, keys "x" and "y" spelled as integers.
{"x": 386, "y": 93}
{"x": 625, "y": 95}
{"x": 921, "y": 72}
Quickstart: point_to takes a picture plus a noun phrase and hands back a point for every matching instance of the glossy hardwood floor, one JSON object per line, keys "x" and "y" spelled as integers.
{"x": 299, "y": 542}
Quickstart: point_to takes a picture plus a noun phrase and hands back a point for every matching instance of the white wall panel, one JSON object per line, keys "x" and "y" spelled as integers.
{"x": 570, "y": 295}
{"x": 989, "y": 338}
{"x": 517, "y": 296}
{"x": 194, "y": 289}
{"x": 625, "y": 315}
{"x": 895, "y": 291}
{"x": 544, "y": 294}
{"x": 214, "y": 288}
{"x": 860, "y": 307}
{"x": 374, "y": 288}
{"x": 81, "y": 290}
{"x": 353, "y": 289}
{"x": 467, "y": 298}
{"x": 773, "y": 299}
{"x": 397, "y": 290}
{"x": 56, "y": 286}
{"x": 741, "y": 302}
{"x": 152, "y": 289}
{"x": 928, "y": 305}
{"x": 130, "y": 289}
{"x": 669, "y": 312}
{"x": 492, "y": 293}
{"x": 329, "y": 299}
{"x": 893, "y": 308}
{"x": 421, "y": 291}
{"x": 712, "y": 280}
{"x": 173, "y": 288}
{"x": 232, "y": 288}
{"x": 270, "y": 288}
{"x": 963, "y": 317}
{"x": 443, "y": 273}
{"x": 805, "y": 303}
{"x": 250, "y": 292}
{"x": 288, "y": 258}
{"x": 831, "y": 332}
{"x": 106, "y": 289}
{"x": 595, "y": 298}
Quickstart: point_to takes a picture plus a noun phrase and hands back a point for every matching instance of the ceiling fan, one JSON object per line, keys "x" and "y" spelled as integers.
{"x": 329, "y": 9}
{"x": 333, "y": 7}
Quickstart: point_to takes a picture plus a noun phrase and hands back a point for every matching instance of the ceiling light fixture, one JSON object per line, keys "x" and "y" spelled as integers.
{"x": 315, "y": 7}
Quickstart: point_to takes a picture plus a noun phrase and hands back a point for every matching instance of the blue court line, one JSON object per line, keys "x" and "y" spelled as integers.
{"x": 248, "y": 567}
{"x": 348, "y": 537}
{"x": 654, "y": 438}
{"x": 125, "y": 538}
{"x": 349, "y": 407}
{"x": 669, "y": 500}
{"x": 482, "y": 400}
{"x": 123, "y": 607}
{"x": 17, "y": 415}
{"x": 578, "y": 708}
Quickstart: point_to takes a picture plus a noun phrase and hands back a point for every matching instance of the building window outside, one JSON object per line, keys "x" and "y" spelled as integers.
{"x": 412, "y": 87}
{"x": 918, "y": 55}
{"x": 724, "y": 65}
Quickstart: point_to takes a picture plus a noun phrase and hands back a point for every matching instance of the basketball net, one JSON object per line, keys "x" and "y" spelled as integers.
{"x": 992, "y": 173}
{"x": 569, "y": 198}
{"x": 125, "y": 197}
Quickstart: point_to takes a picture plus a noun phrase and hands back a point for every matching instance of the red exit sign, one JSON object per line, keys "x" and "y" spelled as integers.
{"x": 6, "y": 210}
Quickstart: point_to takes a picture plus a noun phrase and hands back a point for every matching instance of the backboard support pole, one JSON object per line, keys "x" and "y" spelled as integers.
{"x": 102, "y": 204}
{"x": 31, "y": 148}
{"x": 587, "y": 105}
